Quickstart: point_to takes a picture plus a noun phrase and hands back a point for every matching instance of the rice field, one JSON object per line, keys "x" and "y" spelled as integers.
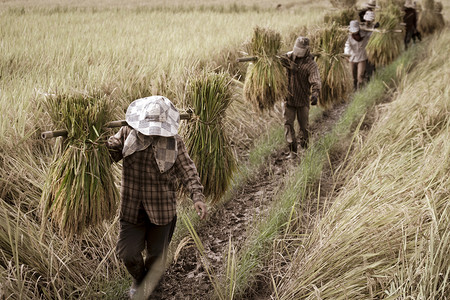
{"x": 126, "y": 51}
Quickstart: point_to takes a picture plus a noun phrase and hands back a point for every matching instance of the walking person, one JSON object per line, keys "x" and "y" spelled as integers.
{"x": 410, "y": 21}
{"x": 368, "y": 26}
{"x": 355, "y": 48}
{"x": 154, "y": 158}
{"x": 303, "y": 89}
{"x": 370, "y": 6}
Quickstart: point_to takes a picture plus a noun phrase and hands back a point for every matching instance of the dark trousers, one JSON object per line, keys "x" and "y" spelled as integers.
{"x": 302, "y": 114}
{"x": 134, "y": 238}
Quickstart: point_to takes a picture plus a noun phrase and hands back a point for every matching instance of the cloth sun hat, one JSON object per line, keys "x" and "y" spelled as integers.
{"x": 301, "y": 46}
{"x": 154, "y": 115}
{"x": 354, "y": 26}
{"x": 371, "y": 4}
{"x": 369, "y": 16}
{"x": 409, "y": 3}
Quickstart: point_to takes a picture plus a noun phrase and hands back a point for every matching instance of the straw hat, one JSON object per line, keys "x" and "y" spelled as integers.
{"x": 301, "y": 46}
{"x": 369, "y": 16}
{"x": 354, "y": 26}
{"x": 155, "y": 115}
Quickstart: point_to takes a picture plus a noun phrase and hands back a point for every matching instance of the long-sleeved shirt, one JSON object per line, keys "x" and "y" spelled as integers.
{"x": 144, "y": 185}
{"x": 410, "y": 19}
{"x": 357, "y": 49}
{"x": 303, "y": 79}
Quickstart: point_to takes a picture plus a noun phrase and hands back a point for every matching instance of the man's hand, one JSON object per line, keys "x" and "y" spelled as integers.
{"x": 201, "y": 209}
{"x": 313, "y": 100}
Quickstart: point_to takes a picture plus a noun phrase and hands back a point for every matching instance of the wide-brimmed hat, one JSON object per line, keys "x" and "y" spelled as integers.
{"x": 369, "y": 16}
{"x": 354, "y": 26}
{"x": 301, "y": 46}
{"x": 409, "y": 3}
{"x": 371, "y": 4}
{"x": 155, "y": 115}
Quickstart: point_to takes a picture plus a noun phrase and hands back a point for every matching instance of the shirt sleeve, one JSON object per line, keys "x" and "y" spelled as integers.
{"x": 187, "y": 173}
{"x": 314, "y": 80}
{"x": 115, "y": 144}
{"x": 347, "y": 47}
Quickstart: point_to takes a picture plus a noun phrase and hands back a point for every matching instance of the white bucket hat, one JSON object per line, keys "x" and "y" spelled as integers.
{"x": 301, "y": 46}
{"x": 372, "y": 4}
{"x": 409, "y": 3}
{"x": 369, "y": 16}
{"x": 354, "y": 26}
{"x": 155, "y": 115}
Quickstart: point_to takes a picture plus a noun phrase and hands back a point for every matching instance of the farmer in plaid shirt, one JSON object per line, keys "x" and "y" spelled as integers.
{"x": 155, "y": 159}
{"x": 304, "y": 86}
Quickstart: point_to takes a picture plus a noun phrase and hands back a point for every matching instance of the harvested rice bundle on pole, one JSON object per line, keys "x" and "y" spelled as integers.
{"x": 80, "y": 190}
{"x": 328, "y": 44}
{"x": 384, "y": 47}
{"x": 265, "y": 82}
{"x": 429, "y": 20}
{"x": 210, "y": 95}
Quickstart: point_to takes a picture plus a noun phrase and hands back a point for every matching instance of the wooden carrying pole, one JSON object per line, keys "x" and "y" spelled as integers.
{"x": 112, "y": 124}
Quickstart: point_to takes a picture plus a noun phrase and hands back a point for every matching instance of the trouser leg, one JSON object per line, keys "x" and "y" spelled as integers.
{"x": 289, "y": 131}
{"x": 354, "y": 68}
{"x": 129, "y": 248}
{"x": 134, "y": 238}
{"x": 158, "y": 239}
{"x": 361, "y": 69}
{"x": 303, "y": 121}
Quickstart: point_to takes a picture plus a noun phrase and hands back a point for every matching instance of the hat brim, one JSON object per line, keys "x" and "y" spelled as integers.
{"x": 136, "y": 119}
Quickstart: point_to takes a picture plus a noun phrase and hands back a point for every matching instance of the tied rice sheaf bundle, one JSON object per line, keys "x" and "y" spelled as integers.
{"x": 430, "y": 19}
{"x": 266, "y": 81}
{"x": 328, "y": 43}
{"x": 384, "y": 47}
{"x": 209, "y": 95}
{"x": 80, "y": 191}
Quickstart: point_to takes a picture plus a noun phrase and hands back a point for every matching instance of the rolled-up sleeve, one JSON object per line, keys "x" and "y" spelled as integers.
{"x": 115, "y": 144}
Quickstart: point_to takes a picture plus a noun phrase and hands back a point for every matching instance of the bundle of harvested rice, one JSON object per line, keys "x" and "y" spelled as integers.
{"x": 209, "y": 95}
{"x": 429, "y": 20}
{"x": 328, "y": 43}
{"x": 80, "y": 190}
{"x": 265, "y": 82}
{"x": 341, "y": 17}
{"x": 383, "y": 47}
{"x": 438, "y": 11}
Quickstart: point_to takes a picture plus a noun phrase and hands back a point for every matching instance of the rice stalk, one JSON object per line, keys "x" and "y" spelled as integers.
{"x": 265, "y": 81}
{"x": 384, "y": 47}
{"x": 328, "y": 42}
{"x": 80, "y": 191}
{"x": 343, "y": 3}
{"x": 341, "y": 17}
{"x": 209, "y": 96}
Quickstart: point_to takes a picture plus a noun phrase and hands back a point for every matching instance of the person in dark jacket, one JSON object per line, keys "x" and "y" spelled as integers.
{"x": 370, "y": 6}
{"x": 410, "y": 20}
{"x": 304, "y": 86}
{"x": 154, "y": 159}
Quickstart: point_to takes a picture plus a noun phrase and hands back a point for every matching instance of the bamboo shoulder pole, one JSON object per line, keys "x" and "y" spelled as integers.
{"x": 56, "y": 133}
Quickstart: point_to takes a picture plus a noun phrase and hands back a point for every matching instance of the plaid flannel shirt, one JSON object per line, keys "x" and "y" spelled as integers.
{"x": 143, "y": 184}
{"x": 303, "y": 79}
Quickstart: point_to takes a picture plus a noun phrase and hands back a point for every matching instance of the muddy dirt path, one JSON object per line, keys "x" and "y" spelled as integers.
{"x": 186, "y": 278}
